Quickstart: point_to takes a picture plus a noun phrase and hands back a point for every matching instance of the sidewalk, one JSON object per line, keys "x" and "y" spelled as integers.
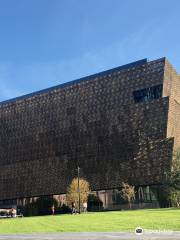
{"x": 93, "y": 236}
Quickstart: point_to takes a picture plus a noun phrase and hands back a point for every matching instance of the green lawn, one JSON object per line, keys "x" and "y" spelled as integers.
{"x": 153, "y": 219}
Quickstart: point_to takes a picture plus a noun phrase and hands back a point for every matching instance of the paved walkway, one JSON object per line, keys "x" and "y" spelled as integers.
{"x": 93, "y": 236}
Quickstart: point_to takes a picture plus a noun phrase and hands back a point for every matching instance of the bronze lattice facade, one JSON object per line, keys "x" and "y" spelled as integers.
{"x": 119, "y": 125}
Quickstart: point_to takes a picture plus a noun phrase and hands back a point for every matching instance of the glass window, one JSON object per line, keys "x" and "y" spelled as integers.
{"x": 148, "y": 94}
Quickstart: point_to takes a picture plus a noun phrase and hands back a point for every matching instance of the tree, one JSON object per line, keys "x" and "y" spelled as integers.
{"x": 73, "y": 193}
{"x": 175, "y": 180}
{"x": 39, "y": 206}
{"x": 128, "y": 193}
{"x": 174, "y": 197}
{"x": 171, "y": 182}
{"x": 173, "y": 176}
{"x": 176, "y": 161}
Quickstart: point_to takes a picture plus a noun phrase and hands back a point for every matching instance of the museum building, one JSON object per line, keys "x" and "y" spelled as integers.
{"x": 120, "y": 125}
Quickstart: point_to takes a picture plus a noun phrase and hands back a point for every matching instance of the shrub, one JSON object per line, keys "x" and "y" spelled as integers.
{"x": 94, "y": 203}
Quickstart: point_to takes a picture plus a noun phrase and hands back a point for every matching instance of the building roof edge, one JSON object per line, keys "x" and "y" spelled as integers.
{"x": 106, "y": 72}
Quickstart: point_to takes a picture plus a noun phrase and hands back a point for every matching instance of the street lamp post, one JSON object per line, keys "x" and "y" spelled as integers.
{"x": 79, "y": 200}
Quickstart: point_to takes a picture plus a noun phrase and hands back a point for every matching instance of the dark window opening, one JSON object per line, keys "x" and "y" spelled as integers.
{"x": 148, "y": 94}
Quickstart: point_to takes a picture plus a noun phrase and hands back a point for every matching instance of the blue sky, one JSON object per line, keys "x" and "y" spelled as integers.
{"x": 47, "y": 42}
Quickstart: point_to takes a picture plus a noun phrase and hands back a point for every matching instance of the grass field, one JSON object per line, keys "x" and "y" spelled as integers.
{"x": 152, "y": 219}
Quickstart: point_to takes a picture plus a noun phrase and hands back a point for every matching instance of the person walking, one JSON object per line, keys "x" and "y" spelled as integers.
{"x": 73, "y": 209}
{"x": 85, "y": 207}
{"x": 52, "y": 209}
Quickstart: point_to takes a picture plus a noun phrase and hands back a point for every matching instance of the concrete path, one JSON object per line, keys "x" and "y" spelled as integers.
{"x": 94, "y": 236}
